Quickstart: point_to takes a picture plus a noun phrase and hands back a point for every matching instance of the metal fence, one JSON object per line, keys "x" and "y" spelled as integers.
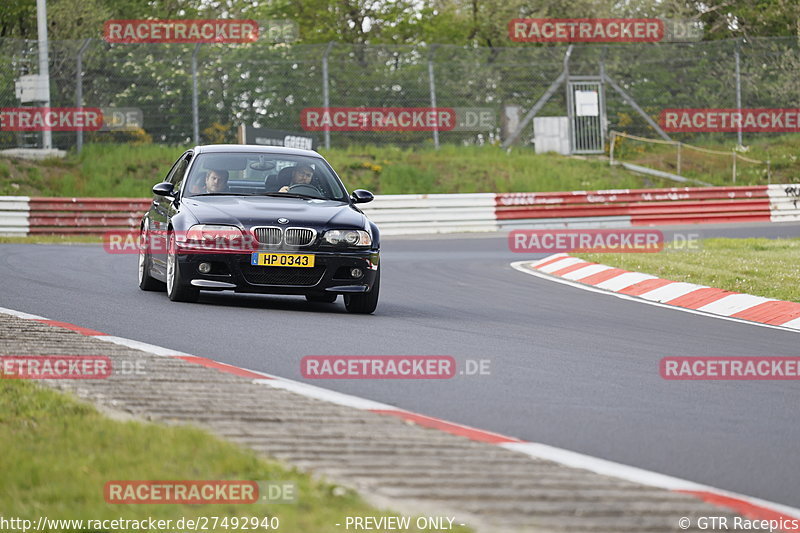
{"x": 268, "y": 85}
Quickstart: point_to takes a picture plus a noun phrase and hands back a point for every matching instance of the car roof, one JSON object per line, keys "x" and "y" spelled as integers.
{"x": 252, "y": 148}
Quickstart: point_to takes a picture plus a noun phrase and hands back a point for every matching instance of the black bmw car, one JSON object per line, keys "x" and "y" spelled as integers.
{"x": 260, "y": 220}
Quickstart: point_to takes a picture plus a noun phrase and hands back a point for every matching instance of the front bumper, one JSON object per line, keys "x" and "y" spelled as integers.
{"x": 233, "y": 271}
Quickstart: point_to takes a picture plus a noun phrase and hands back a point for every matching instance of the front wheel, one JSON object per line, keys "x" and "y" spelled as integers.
{"x": 146, "y": 281}
{"x": 177, "y": 289}
{"x": 364, "y": 303}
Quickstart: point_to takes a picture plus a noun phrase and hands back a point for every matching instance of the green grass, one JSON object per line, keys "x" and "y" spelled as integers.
{"x": 763, "y": 267}
{"x": 781, "y": 152}
{"x": 101, "y": 170}
{"x": 470, "y": 169}
{"x": 58, "y": 453}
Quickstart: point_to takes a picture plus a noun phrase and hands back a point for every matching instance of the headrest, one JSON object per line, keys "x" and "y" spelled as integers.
{"x": 285, "y": 176}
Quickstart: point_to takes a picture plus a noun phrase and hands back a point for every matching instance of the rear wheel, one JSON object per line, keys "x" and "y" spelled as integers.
{"x": 325, "y": 297}
{"x": 364, "y": 303}
{"x": 146, "y": 281}
{"x": 177, "y": 289}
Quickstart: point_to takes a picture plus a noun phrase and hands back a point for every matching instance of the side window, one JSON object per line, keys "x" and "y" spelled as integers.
{"x": 172, "y": 170}
{"x": 178, "y": 171}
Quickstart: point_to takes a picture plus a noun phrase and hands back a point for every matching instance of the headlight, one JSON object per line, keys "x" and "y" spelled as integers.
{"x": 349, "y": 237}
{"x": 216, "y": 237}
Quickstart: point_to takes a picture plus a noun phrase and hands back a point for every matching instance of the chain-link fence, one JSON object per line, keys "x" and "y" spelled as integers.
{"x": 269, "y": 85}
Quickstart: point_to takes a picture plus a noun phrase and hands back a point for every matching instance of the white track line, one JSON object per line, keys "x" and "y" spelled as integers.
{"x": 137, "y": 345}
{"x": 20, "y": 314}
{"x": 326, "y": 395}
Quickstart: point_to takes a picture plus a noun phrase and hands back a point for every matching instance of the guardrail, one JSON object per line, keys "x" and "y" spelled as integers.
{"x": 14, "y": 215}
{"x": 405, "y": 214}
{"x": 88, "y": 216}
{"x": 450, "y": 213}
{"x": 637, "y": 207}
{"x": 784, "y": 202}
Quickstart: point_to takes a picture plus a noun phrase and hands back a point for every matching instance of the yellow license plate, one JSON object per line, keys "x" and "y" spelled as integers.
{"x": 282, "y": 260}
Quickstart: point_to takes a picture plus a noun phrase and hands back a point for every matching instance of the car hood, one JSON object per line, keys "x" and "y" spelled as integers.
{"x": 250, "y": 211}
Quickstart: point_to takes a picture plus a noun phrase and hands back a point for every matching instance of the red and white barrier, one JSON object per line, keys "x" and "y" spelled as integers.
{"x": 452, "y": 213}
{"x": 639, "y": 207}
{"x": 650, "y": 288}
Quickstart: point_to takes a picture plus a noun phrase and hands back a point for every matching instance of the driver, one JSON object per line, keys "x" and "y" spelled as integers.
{"x": 301, "y": 175}
{"x": 215, "y": 181}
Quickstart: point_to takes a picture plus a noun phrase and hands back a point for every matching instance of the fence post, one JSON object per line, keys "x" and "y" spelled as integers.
{"x": 738, "y": 88}
{"x": 611, "y": 142}
{"x": 769, "y": 171}
{"x": 734, "y": 165}
{"x": 603, "y": 116}
{"x": 325, "y": 96}
{"x": 79, "y": 91}
{"x": 678, "y": 166}
{"x": 568, "y": 96}
{"x": 44, "y": 63}
{"x": 195, "y": 110}
{"x": 432, "y": 84}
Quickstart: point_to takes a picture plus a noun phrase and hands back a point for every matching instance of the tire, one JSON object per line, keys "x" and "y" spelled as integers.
{"x": 146, "y": 281}
{"x": 325, "y": 297}
{"x": 364, "y": 303}
{"x": 177, "y": 289}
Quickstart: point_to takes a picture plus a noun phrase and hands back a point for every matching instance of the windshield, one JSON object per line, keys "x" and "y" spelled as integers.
{"x": 263, "y": 174}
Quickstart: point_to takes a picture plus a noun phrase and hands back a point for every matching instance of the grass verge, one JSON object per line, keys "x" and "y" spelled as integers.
{"x": 58, "y": 453}
{"x": 779, "y": 150}
{"x": 762, "y": 267}
{"x": 130, "y": 170}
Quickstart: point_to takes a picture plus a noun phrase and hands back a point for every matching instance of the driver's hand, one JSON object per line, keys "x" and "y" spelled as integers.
{"x": 285, "y": 188}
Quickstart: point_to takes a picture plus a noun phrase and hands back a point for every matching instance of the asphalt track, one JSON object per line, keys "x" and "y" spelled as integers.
{"x": 569, "y": 368}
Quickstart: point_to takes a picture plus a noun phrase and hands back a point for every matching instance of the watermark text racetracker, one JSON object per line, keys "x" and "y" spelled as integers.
{"x": 598, "y": 241}
{"x": 196, "y": 492}
{"x": 398, "y": 119}
{"x": 730, "y": 368}
{"x": 70, "y": 119}
{"x": 731, "y": 120}
{"x": 389, "y": 367}
{"x": 603, "y": 30}
{"x": 50, "y": 119}
{"x": 181, "y": 31}
{"x": 200, "y": 239}
{"x": 67, "y": 367}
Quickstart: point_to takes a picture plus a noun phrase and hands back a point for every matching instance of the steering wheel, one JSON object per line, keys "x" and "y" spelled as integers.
{"x": 304, "y": 188}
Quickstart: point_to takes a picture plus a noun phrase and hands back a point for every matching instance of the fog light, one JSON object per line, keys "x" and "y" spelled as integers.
{"x": 204, "y": 268}
{"x": 356, "y": 272}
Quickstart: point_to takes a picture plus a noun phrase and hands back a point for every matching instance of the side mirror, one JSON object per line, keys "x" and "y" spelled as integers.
{"x": 163, "y": 189}
{"x": 360, "y": 196}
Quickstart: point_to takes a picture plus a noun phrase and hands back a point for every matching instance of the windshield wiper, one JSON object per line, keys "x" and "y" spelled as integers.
{"x": 223, "y": 194}
{"x": 290, "y": 195}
